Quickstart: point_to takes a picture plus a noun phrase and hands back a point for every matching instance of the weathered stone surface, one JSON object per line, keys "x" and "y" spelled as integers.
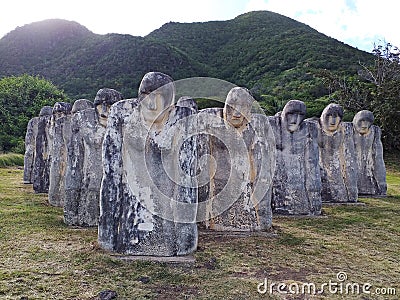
{"x": 81, "y": 104}
{"x": 147, "y": 206}
{"x": 30, "y": 145}
{"x": 237, "y": 159}
{"x": 337, "y": 157}
{"x": 84, "y": 163}
{"x": 297, "y": 181}
{"x": 41, "y": 165}
{"x": 60, "y": 132}
{"x": 369, "y": 153}
{"x": 187, "y": 102}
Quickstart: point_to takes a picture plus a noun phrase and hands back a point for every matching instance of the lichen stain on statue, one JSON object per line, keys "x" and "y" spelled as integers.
{"x": 369, "y": 153}
{"x": 337, "y": 157}
{"x": 84, "y": 163}
{"x": 60, "y": 132}
{"x": 297, "y": 183}
{"x": 145, "y": 209}
{"x": 236, "y": 158}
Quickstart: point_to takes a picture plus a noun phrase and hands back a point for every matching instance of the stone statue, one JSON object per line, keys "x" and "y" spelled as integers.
{"x": 84, "y": 164}
{"x": 187, "y": 102}
{"x": 148, "y": 194}
{"x": 236, "y": 153}
{"x": 80, "y": 105}
{"x": 60, "y": 134}
{"x": 337, "y": 157}
{"x": 30, "y": 145}
{"x": 42, "y": 161}
{"x": 369, "y": 152}
{"x": 297, "y": 181}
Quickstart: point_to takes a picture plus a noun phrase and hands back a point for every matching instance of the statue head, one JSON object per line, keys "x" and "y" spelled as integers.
{"x": 237, "y": 109}
{"x": 187, "y": 102}
{"x": 81, "y": 104}
{"x": 362, "y": 121}
{"x": 331, "y": 117}
{"x": 156, "y": 94}
{"x": 46, "y": 111}
{"x": 293, "y": 114}
{"x": 61, "y": 109}
{"x": 102, "y": 102}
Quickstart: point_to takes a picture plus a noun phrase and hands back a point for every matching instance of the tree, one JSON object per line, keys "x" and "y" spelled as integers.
{"x": 21, "y": 99}
{"x": 376, "y": 87}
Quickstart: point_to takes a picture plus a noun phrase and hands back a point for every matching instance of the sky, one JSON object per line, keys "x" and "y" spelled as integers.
{"x": 359, "y": 23}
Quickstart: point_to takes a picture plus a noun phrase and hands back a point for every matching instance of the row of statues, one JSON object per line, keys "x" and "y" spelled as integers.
{"x": 148, "y": 171}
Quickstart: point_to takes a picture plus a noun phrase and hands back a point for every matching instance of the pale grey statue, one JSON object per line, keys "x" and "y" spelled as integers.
{"x": 237, "y": 159}
{"x": 42, "y": 159}
{"x": 60, "y": 133}
{"x": 147, "y": 206}
{"x": 187, "y": 102}
{"x": 297, "y": 181}
{"x": 30, "y": 146}
{"x": 81, "y": 105}
{"x": 337, "y": 157}
{"x": 369, "y": 152}
{"x": 84, "y": 164}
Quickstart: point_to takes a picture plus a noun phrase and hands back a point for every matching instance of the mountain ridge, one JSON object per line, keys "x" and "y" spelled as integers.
{"x": 270, "y": 54}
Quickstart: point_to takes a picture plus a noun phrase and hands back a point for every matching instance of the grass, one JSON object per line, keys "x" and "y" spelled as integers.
{"x": 41, "y": 258}
{"x": 11, "y": 160}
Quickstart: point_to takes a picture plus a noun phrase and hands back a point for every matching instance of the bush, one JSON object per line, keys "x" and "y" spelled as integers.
{"x": 21, "y": 99}
{"x": 11, "y": 160}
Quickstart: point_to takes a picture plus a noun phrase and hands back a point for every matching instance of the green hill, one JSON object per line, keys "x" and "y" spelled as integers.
{"x": 274, "y": 56}
{"x": 81, "y": 62}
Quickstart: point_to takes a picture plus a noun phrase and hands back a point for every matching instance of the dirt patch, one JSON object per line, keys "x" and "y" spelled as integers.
{"x": 167, "y": 292}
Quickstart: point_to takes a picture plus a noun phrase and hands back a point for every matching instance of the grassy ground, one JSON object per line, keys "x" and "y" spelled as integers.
{"x": 41, "y": 258}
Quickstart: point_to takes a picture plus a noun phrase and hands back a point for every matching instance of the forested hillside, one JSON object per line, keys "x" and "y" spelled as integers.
{"x": 81, "y": 62}
{"x": 274, "y": 56}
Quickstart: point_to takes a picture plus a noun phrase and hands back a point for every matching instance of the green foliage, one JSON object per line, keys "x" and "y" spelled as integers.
{"x": 275, "y": 57}
{"x": 272, "y": 55}
{"x": 11, "y": 160}
{"x": 205, "y": 103}
{"x": 375, "y": 88}
{"x": 81, "y": 62}
{"x": 21, "y": 98}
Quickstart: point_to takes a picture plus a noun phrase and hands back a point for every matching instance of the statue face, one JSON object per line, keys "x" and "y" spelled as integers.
{"x": 331, "y": 121}
{"x": 103, "y": 109}
{"x": 105, "y": 97}
{"x": 60, "y": 110}
{"x": 154, "y": 105}
{"x": 293, "y": 120}
{"x": 363, "y": 125}
{"x": 293, "y": 114}
{"x": 362, "y": 121}
{"x": 237, "y": 110}
{"x": 58, "y": 115}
